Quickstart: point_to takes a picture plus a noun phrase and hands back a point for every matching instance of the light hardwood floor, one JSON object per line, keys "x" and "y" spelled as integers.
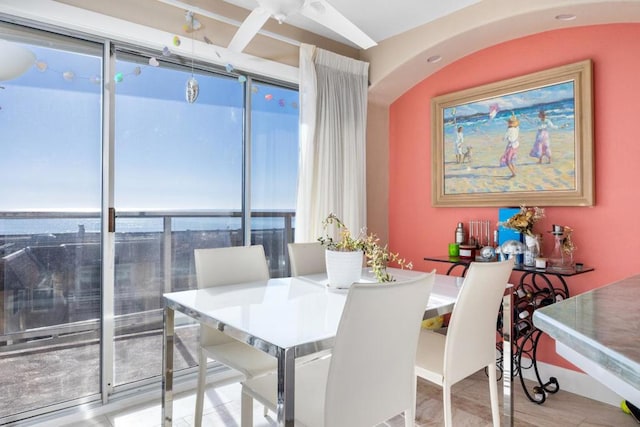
{"x": 470, "y": 403}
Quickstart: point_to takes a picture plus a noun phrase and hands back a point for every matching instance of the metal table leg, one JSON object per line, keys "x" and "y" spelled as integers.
{"x": 507, "y": 357}
{"x": 167, "y": 366}
{"x": 286, "y": 386}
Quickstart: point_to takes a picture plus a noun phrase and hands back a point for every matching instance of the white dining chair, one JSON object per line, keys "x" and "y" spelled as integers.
{"x": 226, "y": 266}
{"x": 369, "y": 377}
{"x": 470, "y": 342}
{"x": 306, "y": 258}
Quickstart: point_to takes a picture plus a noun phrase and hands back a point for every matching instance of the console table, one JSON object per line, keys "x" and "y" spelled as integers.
{"x": 537, "y": 287}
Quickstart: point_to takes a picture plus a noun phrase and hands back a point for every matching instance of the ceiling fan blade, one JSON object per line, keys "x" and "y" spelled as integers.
{"x": 328, "y": 16}
{"x": 248, "y": 29}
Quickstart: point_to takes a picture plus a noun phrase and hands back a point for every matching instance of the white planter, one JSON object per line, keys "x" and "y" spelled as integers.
{"x": 343, "y": 268}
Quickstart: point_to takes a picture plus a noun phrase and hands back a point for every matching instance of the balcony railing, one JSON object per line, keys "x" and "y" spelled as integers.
{"x": 51, "y": 281}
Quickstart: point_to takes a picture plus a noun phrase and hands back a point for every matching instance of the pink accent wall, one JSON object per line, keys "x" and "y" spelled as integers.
{"x": 607, "y": 235}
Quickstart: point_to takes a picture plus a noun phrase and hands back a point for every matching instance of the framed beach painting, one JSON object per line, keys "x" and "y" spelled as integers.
{"x": 523, "y": 141}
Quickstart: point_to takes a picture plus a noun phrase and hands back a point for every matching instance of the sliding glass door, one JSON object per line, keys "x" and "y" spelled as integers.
{"x": 274, "y": 170}
{"x": 74, "y": 143}
{"x": 178, "y": 187}
{"x": 50, "y": 239}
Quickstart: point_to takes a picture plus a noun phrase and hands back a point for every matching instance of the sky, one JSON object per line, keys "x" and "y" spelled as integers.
{"x": 516, "y": 100}
{"x": 169, "y": 154}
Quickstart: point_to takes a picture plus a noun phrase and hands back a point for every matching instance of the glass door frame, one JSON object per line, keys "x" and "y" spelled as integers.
{"x": 108, "y": 224}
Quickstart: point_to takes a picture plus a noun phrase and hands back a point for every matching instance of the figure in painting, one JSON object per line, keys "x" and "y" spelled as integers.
{"x": 542, "y": 145}
{"x": 511, "y": 150}
{"x": 458, "y": 144}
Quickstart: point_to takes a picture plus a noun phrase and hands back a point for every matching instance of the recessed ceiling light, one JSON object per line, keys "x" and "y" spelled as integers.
{"x": 565, "y": 17}
{"x": 433, "y": 59}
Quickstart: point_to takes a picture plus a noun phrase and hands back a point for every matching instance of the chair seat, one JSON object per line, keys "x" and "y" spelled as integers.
{"x": 247, "y": 360}
{"x": 311, "y": 380}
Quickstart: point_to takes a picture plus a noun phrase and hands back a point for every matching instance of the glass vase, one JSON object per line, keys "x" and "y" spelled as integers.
{"x": 556, "y": 259}
{"x": 567, "y": 259}
{"x": 531, "y": 250}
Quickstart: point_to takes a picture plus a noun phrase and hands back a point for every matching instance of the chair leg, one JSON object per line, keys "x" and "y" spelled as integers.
{"x": 410, "y": 414}
{"x": 202, "y": 383}
{"x": 246, "y": 409}
{"x": 493, "y": 392}
{"x": 446, "y": 400}
{"x": 409, "y": 417}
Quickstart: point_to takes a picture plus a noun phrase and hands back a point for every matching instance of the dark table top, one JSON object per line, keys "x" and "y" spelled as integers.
{"x": 565, "y": 271}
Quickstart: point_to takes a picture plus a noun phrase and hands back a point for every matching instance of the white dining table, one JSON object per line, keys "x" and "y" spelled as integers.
{"x": 289, "y": 318}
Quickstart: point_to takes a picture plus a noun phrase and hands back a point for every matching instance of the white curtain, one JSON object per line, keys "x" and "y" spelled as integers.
{"x": 333, "y": 118}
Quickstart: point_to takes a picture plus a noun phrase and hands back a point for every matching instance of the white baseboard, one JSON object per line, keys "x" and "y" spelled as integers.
{"x": 573, "y": 381}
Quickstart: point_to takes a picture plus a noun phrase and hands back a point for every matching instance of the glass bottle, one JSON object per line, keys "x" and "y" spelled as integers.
{"x": 556, "y": 258}
{"x": 543, "y": 298}
{"x": 496, "y": 246}
{"x": 522, "y": 328}
{"x": 460, "y": 234}
{"x": 526, "y": 311}
{"x": 531, "y": 249}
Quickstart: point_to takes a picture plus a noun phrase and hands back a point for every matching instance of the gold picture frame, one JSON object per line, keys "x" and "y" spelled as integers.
{"x": 544, "y": 118}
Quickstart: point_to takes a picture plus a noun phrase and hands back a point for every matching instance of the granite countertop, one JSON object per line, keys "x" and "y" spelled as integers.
{"x": 603, "y": 325}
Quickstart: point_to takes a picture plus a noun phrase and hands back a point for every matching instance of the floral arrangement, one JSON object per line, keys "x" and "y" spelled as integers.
{"x": 378, "y": 256}
{"x": 524, "y": 220}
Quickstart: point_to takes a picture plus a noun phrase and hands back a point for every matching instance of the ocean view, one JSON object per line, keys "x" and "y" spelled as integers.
{"x": 20, "y": 226}
{"x": 561, "y": 113}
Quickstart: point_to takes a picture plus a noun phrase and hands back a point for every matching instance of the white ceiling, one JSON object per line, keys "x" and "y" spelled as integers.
{"x": 410, "y": 33}
{"x": 379, "y": 19}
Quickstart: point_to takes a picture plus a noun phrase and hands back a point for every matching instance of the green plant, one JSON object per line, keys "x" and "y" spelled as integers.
{"x": 377, "y": 256}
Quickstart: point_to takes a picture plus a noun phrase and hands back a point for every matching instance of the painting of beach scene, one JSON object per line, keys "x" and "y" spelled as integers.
{"x": 523, "y": 141}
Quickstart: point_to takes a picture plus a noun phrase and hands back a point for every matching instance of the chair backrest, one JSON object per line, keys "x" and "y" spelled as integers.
{"x": 306, "y": 258}
{"x": 227, "y": 266}
{"x": 371, "y": 375}
{"x": 471, "y": 335}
